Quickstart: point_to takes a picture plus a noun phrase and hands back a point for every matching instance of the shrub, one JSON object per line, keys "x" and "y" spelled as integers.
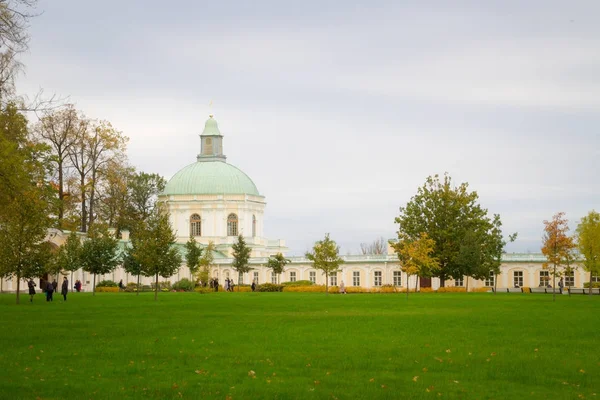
{"x": 269, "y": 287}
{"x": 107, "y": 289}
{"x": 203, "y": 289}
{"x": 131, "y": 287}
{"x": 451, "y": 289}
{"x": 106, "y": 283}
{"x": 184, "y": 285}
{"x": 162, "y": 285}
{"x": 298, "y": 283}
{"x": 305, "y": 289}
{"x": 594, "y": 285}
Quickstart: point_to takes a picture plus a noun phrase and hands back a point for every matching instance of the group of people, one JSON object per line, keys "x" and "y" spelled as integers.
{"x": 49, "y": 288}
{"x": 229, "y": 285}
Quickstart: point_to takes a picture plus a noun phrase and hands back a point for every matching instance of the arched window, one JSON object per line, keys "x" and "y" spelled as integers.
{"x": 253, "y": 226}
{"x": 232, "y": 225}
{"x": 195, "y": 225}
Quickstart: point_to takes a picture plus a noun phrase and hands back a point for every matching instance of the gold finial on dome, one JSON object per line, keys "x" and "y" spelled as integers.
{"x": 210, "y": 115}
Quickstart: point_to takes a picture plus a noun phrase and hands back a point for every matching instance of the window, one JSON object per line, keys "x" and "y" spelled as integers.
{"x": 377, "y": 278}
{"x": 569, "y": 279}
{"x": 595, "y": 278}
{"x": 333, "y": 280}
{"x": 255, "y": 279}
{"x": 518, "y": 278}
{"x": 253, "y": 226}
{"x": 195, "y": 225}
{"x": 273, "y": 277}
{"x": 356, "y": 278}
{"x": 544, "y": 278}
{"x": 312, "y": 276}
{"x": 232, "y": 225}
{"x": 459, "y": 282}
{"x": 292, "y": 276}
{"x": 208, "y": 146}
{"x": 397, "y": 278}
{"x": 489, "y": 281}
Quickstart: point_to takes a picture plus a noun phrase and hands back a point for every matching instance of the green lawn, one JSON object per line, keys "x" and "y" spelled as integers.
{"x": 300, "y": 346}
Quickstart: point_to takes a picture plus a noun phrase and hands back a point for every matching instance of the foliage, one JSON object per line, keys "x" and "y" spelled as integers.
{"x": 107, "y": 283}
{"x": 193, "y": 254}
{"x": 269, "y": 287}
{"x": 144, "y": 189}
{"x": 325, "y": 257}
{"x": 206, "y": 261}
{"x": 415, "y": 255}
{"x": 557, "y": 245}
{"x": 594, "y": 285}
{"x": 99, "y": 252}
{"x": 588, "y": 241}
{"x": 298, "y": 283}
{"x": 277, "y": 264}
{"x": 184, "y": 284}
{"x": 446, "y": 213}
{"x": 153, "y": 247}
{"x": 107, "y": 289}
{"x": 241, "y": 255}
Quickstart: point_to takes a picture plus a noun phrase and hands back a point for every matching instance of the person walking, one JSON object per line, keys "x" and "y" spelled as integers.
{"x": 31, "y": 285}
{"x": 342, "y": 288}
{"x": 54, "y": 285}
{"x": 121, "y": 286}
{"x": 49, "y": 291}
{"x": 561, "y": 284}
{"x": 65, "y": 288}
{"x": 216, "y": 283}
{"x": 253, "y": 286}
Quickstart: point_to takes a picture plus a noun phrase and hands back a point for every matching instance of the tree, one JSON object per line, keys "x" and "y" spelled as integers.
{"x": 154, "y": 247}
{"x": 377, "y": 246}
{"x": 588, "y": 241}
{"x": 14, "y": 21}
{"x": 132, "y": 266}
{"x": 25, "y": 199}
{"x": 325, "y": 257}
{"x": 241, "y": 255}
{"x": 206, "y": 261}
{"x": 277, "y": 264}
{"x": 144, "y": 189}
{"x": 68, "y": 257}
{"x": 557, "y": 245}
{"x": 99, "y": 252}
{"x": 446, "y": 214}
{"x": 498, "y": 244}
{"x": 192, "y": 255}
{"x": 415, "y": 257}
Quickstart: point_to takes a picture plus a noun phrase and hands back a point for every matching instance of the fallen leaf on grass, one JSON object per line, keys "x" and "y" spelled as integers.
{"x": 415, "y": 378}
{"x": 175, "y": 386}
{"x": 439, "y": 359}
{"x": 456, "y": 381}
{"x": 493, "y": 354}
{"x": 317, "y": 382}
{"x": 448, "y": 351}
{"x": 252, "y": 374}
{"x": 424, "y": 369}
{"x": 383, "y": 386}
{"x": 372, "y": 380}
{"x": 582, "y": 371}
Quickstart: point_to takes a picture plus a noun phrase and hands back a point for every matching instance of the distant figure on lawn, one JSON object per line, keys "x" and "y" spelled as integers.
{"x": 253, "y": 286}
{"x": 216, "y": 283}
{"x": 342, "y": 288}
{"x": 31, "y": 285}
{"x": 78, "y": 285}
{"x": 121, "y": 286}
{"x": 561, "y": 284}
{"x": 54, "y": 285}
{"x": 64, "y": 288}
{"x": 49, "y": 291}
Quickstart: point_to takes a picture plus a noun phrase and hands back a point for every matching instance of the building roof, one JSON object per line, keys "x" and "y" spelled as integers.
{"x": 210, "y": 177}
{"x": 211, "y": 128}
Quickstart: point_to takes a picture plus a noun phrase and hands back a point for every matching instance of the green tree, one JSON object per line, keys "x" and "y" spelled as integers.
{"x": 206, "y": 261}
{"x": 132, "y": 266}
{"x": 193, "y": 253}
{"x": 154, "y": 247}
{"x": 325, "y": 257}
{"x": 415, "y": 257}
{"x": 446, "y": 213}
{"x": 68, "y": 257}
{"x": 241, "y": 255}
{"x": 588, "y": 241}
{"x": 277, "y": 264}
{"x": 25, "y": 199}
{"x": 144, "y": 189}
{"x": 99, "y": 252}
{"x": 497, "y": 245}
{"x": 557, "y": 245}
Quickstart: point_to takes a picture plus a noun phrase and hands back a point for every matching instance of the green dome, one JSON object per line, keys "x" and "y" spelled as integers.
{"x": 210, "y": 177}
{"x": 211, "y": 128}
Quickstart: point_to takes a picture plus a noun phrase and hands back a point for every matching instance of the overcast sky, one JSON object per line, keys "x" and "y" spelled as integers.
{"x": 339, "y": 110}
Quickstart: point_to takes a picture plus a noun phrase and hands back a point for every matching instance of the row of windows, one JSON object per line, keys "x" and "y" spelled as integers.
{"x": 232, "y": 225}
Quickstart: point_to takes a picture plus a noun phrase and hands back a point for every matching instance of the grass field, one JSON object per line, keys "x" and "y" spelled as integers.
{"x": 300, "y": 346}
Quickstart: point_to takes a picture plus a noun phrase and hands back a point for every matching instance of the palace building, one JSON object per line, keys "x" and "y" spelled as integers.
{"x": 213, "y": 200}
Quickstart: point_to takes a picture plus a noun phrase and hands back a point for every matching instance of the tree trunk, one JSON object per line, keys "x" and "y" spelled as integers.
{"x": 138, "y": 286}
{"x": 92, "y": 199}
{"x": 156, "y": 288}
{"x": 327, "y": 284}
{"x": 591, "y": 286}
{"x": 416, "y": 282}
{"x": 94, "y": 286}
{"x": 83, "y": 209}
{"x": 407, "y": 280}
{"x": 442, "y": 280}
{"x": 18, "y": 286}
{"x": 495, "y": 283}
{"x": 554, "y": 284}
{"x": 71, "y": 283}
{"x": 467, "y": 285}
{"x": 61, "y": 193}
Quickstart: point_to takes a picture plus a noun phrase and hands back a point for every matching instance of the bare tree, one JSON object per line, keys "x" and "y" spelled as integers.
{"x": 14, "y": 23}
{"x": 378, "y": 246}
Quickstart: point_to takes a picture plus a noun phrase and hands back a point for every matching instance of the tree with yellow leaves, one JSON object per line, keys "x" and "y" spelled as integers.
{"x": 588, "y": 241}
{"x": 557, "y": 245}
{"x": 415, "y": 257}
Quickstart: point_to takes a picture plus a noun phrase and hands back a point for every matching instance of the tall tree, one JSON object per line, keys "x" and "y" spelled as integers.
{"x": 206, "y": 261}
{"x": 588, "y": 241}
{"x": 154, "y": 247}
{"x": 277, "y": 264}
{"x": 498, "y": 244}
{"x": 445, "y": 213}
{"x": 377, "y": 246}
{"x": 415, "y": 257}
{"x": 114, "y": 204}
{"x": 193, "y": 253}
{"x": 99, "y": 253}
{"x": 241, "y": 255}
{"x": 132, "y": 266}
{"x": 57, "y": 129}
{"x": 557, "y": 245}
{"x": 68, "y": 257}
{"x": 325, "y": 257}
{"x": 144, "y": 189}
{"x": 25, "y": 199}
